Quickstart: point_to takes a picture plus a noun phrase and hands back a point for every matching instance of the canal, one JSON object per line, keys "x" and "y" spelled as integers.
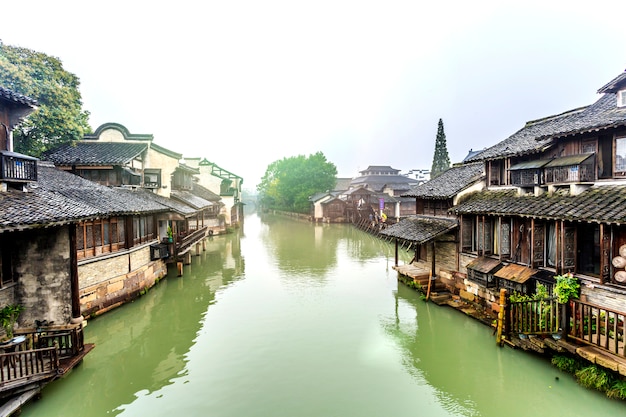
{"x": 287, "y": 318}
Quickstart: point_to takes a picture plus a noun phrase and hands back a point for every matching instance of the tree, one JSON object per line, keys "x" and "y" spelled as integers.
{"x": 288, "y": 183}
{"x": 59, "y": 117}
{"x": 441, "y": 160}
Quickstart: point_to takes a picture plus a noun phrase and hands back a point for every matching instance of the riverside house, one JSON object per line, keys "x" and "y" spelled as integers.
{"x": 211, "y": 177}
{"x": 38, "y": 275}
{"x": 432, "y": 232}
{"x": 553, "y": 204}
{"x": 114, "y": 157}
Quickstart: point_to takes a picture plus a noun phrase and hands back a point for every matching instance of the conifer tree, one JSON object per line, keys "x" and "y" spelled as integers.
{"x": 441, "y": 160}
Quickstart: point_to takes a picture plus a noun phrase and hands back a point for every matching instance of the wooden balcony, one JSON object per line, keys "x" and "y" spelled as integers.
{"x": 185, "y": 241}
{"x": 15, "y": 167}
{"x": 574, "y": 168}
{"x": 579, "y": 322}
{"x": 598, "y": 326}
{"x": 37, "y": 356}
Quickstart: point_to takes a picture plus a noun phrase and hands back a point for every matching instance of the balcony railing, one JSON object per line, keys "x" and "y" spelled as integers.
{"x": 534, "y": 317}
{"x": 598, "y": 326}
{"x": 15, "y": 167}
{"x": 583, "y": 322}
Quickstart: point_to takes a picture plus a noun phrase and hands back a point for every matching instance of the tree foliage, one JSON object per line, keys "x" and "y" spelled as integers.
{"x": 288, "y": 183}
{"x": 60, "y": 117}
{"x": 441, "y": 160}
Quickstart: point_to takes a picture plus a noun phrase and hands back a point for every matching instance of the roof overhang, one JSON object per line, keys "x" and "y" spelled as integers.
{"x": 420, "y": 229}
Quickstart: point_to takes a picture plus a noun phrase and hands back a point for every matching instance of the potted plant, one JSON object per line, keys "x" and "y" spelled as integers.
{"x": 8, "y": 317}
{"x": 170, "y": 234}
{"x": 566, "y": 288}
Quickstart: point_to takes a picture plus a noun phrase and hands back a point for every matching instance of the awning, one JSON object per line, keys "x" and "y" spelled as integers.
{"x": 569, "y": 160}
{"x": 420, "y": 229}
{"x": 484, "y": 265}
{"x": 529, "y": 165}
{"x": 516, "y": 273}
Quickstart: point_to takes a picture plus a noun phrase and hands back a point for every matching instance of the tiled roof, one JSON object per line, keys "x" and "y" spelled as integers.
{"x": 174, "y": 205}
{"x": 205, "y": 193}
{"x": 450, "y": 183}
{"x": 14, "y": 97}
{"x": 188, "y": 198}
{"x": 342, "y": 184}
{"x": 539, "y": 135}
{"x": 614, "y": 85}
{"x": 59, "y": 197}
{"x": 379, "y": 182}
{"x": 94, "y": 153}
{"x": 420, "y": 229}
{"x": 599, "y": 203}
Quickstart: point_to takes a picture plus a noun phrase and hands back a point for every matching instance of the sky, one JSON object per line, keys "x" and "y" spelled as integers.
{"x": 247, "y": 83}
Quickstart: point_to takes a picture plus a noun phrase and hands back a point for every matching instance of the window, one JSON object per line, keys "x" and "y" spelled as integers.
{"x": 100, "y": 236}
{"x": 7, "y": 274}
{"x": 467, "y": 238}
{"x": 486, "y": 236}
{"x": 588, "y": 249}
{"x": 544, "y": 244}
{"x": 152, "y": 178}
{"x": 620, "y": 155}
{"x": 143, "y": 229}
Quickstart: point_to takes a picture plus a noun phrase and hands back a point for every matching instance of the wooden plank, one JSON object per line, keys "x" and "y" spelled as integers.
{"x": 16, "y": 403}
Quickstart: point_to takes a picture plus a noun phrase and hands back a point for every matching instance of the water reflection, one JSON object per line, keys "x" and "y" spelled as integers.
{"x": 142, "y": 347}
{"x": 471, "y": 376}
{"x": 313, "y": 323}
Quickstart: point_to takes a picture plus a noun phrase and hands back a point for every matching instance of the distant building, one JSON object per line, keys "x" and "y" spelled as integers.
{"x": 421, "y": 175}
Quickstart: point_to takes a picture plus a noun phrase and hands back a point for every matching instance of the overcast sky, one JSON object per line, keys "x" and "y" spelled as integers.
{"x": 246, "y": 83}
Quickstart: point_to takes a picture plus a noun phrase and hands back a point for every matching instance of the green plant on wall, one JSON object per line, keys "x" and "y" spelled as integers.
{"x": 8, "y": 317}
{"x": 566, "y": 288}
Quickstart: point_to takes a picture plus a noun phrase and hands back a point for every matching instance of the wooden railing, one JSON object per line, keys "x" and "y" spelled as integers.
{"x": 599, "y": 326}
{"x": 185, "y": 242}
{"x": 534, "y": 317}
{"x": 68, "y": 339}
{"x": 17, "y": 167}
{"x": 28, "y": 366}
{"x": 580, "y": 321}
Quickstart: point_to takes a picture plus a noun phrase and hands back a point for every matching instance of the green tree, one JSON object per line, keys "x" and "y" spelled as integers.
{"x": 60, "y": 117}
{"x": 441, "y": 160}
{"x": 288, "y": 183}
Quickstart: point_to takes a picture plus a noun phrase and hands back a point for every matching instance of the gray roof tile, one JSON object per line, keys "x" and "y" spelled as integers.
{"x": 420, "y": 229}
{"x": 599, "y": 203}
{"x": 60, "y": 197}
{"x": 450, "y": 183}
{"x": 94, "y": 153}
{"x": 539, "y": 135}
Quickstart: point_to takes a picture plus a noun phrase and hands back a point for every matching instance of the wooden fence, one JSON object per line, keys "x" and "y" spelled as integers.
{"x": 583, "y": 322}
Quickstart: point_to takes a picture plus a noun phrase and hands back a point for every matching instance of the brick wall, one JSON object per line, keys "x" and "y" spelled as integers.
{"x": 112, "y": 281}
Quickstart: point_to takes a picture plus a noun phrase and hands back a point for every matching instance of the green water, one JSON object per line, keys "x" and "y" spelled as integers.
{"x": 286, "y": 318}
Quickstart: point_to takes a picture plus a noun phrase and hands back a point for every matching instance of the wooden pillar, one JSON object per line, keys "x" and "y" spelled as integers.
{"x": 204, "y": 245}
{"x": 197, "y": 248}
{"x": 74, "y": 283}
{"x": 432, "y": 264}
{"x": 187, "y": 258}
{"x": 179, "y": 266}
{"x": 396, "y": 258}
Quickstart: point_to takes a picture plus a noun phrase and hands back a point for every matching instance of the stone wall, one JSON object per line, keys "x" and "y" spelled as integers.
{"x": 43, "y": 287}
{"x": 113, "y": 280}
